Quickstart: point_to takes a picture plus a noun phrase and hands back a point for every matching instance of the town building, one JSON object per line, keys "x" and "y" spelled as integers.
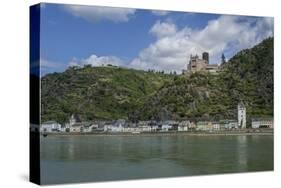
{"x": 166, "y": 127}
{"x": 75, "y": 124}
{"x": 192, "y": 126}
{"x": 130, "y": 129}
{"x": 204, "y": 126}
{"x": 154, "y": 128}
{"x": 216, "y": 125}
{"x": 233, "y": 124}
{"x": 183, "y": 125}
{"x": 222, "y": 124}
{"x": 145, "y": 128}
{"x": 89, "y": 127}
{"x": 50, "y": 126}
{"x": 262, "y": 123}
{"x": 115, "y": 126}
{"x": 77, "y": 127}
{"x": 65, "y": 127}
{"x": 230, "y": 124}
{"x": 241, "y": 115}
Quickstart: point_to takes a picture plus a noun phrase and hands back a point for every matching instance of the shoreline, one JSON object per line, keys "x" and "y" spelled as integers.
{"x": 223, "y": 133}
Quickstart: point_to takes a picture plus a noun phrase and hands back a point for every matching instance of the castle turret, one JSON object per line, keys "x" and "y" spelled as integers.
{"x": 222, "y": 59}
{"x": 205, "y": 56}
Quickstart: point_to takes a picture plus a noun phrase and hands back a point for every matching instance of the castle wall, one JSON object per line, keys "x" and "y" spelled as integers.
{"x": 196, "y": 64}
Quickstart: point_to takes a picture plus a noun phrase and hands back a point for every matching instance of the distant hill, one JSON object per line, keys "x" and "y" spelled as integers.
{"x": 114, "y": 92}
{"x": 248, "y": 76}
{"x": 97, "y": 92}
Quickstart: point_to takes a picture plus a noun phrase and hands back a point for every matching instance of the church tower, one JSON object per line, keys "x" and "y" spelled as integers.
{"x": 241, "y": 112}
{"x": 74, "y": 119}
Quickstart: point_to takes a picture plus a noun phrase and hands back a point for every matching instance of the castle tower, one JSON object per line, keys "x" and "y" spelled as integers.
{"x": 222, "y": 59}
{"x": 196, "y": 64}
{"x": 241, "y": 113}
{"x": 205, "y": 56}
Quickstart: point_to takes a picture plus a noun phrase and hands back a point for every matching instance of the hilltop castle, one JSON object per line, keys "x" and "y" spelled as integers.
{"x": 196, "y": 64}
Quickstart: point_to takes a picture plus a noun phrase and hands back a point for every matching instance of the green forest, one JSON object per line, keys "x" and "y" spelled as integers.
{"x": 110, "y": 92}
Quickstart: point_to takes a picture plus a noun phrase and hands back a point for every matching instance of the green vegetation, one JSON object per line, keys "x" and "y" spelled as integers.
{"x": 113, "y": 92}
{"x": 97, "y": 92}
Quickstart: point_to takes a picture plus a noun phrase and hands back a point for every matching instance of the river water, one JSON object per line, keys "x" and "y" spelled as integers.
{"x": 70, "y": 159}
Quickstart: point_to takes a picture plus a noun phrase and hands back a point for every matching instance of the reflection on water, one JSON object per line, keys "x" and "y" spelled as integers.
{"x": 92, "y": 158}
{"x": 242, "y": 155}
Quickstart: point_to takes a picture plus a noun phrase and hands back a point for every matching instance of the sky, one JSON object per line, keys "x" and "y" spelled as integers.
{"x": 73, "y": 35}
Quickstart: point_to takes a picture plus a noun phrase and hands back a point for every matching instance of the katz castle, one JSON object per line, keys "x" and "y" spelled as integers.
{"x": 197, "y": 64}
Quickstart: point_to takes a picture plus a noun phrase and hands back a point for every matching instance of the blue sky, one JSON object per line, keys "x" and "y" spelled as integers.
{"x": 141, "y": 39}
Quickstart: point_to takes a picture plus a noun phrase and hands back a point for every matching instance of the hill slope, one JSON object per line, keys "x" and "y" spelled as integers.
{"x": 114, "y": 93}
{"x": 97, "y": 92}
{"x": 248, "y": 77}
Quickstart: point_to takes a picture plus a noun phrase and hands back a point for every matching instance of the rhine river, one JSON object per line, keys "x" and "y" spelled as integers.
{"x": 70, "y": 159}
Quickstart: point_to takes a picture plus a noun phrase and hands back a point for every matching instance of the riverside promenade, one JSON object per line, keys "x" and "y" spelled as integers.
{"x": 246, "y": 132}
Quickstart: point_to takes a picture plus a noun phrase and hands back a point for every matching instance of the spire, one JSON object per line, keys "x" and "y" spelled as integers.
{"x": 241, "y": 104}
{"x": 222, "y": 59}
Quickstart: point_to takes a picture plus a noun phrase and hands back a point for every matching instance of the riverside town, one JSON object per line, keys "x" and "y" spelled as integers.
{"x": 75, "y": 125}
{"x": 196, "y": 67}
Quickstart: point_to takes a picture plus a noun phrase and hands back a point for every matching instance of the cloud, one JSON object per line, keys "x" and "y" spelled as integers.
{"x": 95, "y": 14}
{"x": 48, "y": 66}
{"x": 94, "y": 60}
{"x": 163, "y": 29}
{"x": 227, "y": 34}
{"x": 160, "y": 12}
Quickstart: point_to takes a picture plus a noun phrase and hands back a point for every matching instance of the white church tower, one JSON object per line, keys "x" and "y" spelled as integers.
{"x": 241, "y": 112}
{"x": 74, "y": 119}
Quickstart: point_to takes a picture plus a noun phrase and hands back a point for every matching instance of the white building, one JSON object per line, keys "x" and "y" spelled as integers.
{"x": 204, "y": 126}
{"x": 216, "y": 125}
{"x": 77, "y": 128}
{"x": 90, "y": 127}
{"x": 233, "y": 125}
{"x": 228, "y": 124}
{"x": 154, "y": 128}
{"x": 262, "y": 123}
{"x": 166, "y": 127}
{"x": 67, "y": 127}
{"x": 241, "y": 113}
{"x": 144, "y": 128}
{"x": 183, "y": 126}
{"x": 50, "y": 126}
{"x": 117, "y": 126}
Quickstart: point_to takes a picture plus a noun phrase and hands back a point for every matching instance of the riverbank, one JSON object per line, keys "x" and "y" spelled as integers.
{"x": 262, "y": 132}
